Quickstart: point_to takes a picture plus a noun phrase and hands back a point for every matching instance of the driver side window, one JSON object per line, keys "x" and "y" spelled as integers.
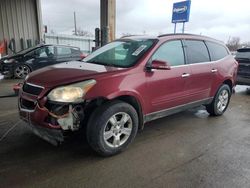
{"x": 44, "y": 52}
{"x": 171, "y": 52}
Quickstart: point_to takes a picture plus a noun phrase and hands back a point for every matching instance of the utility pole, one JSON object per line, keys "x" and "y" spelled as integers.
{"x": 75, "y": 23}
{"x": 108, "y": 19}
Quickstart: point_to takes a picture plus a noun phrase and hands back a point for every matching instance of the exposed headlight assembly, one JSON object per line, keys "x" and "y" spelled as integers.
{"x": 73, "y": 93}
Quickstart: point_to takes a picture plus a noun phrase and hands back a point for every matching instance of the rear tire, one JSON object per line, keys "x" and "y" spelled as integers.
{"x": 220, "y": 102}
{"x": 112, "y": 127}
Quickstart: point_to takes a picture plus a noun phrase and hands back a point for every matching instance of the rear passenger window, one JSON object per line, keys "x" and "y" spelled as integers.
{"x": 196, "y": 51}
{"x": 216, "y": 51}
{"x": 172, "y": 52}
{"x": 75, "y": 51}
{"x": 62, "y": 51}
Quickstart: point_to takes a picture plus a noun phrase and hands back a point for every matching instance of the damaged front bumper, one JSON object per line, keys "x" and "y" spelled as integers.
{"x": 51, "y": 122}
{"x": 53, "y": 136}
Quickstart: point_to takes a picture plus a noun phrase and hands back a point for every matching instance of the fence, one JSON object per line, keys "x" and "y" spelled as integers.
{"x": 84, "y": 43}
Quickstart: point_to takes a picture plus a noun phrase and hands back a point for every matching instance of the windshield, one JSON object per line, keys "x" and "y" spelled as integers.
{"x": 123, "y": 53}
{"x": 243, "y": 54}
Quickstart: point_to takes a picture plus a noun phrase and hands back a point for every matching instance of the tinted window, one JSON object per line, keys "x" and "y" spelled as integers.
{"x": 196, "y": 51}
{"x": 75, "y": 51}
{"x": 243, "y": 53}
{"x": 62, "y": 51}
{"x": 43, "y": 52}
{"x": 172, "y": 52}
{"x": 216, "y": 51}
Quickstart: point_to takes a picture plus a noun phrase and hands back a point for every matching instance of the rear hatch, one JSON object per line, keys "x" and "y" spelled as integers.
{"x": 243, "y": 58}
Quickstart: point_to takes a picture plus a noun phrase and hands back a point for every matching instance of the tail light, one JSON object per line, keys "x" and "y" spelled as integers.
{"x": 82, "y": 55}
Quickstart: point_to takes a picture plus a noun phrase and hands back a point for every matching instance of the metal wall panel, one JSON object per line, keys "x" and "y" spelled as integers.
{"x": 84, "y": 43}
{"x": 19, "y": 19}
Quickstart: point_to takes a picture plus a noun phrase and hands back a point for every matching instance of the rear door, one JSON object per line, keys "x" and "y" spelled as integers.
{"x": 76, "y": 54}
{"x": 63, "y": 54}
{"x": 167, "y": 88}
{"x": 220, "y": 64}
{"x": 200, "y": 82}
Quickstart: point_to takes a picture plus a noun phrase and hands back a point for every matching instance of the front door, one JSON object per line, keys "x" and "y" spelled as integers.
{"x": 42, "y": 57}
{"x": 167, "y": 88}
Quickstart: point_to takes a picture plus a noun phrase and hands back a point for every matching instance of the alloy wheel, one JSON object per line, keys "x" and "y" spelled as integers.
{"x": 222, "y": 100}
{"x": 117, "y": 129}
{"x": 22, "y": 71}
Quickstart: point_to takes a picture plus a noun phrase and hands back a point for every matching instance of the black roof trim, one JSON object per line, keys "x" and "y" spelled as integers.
{"x": 247, "y": 49}
{"x": 171, "y": 34}
{"x": 188, "y": 34}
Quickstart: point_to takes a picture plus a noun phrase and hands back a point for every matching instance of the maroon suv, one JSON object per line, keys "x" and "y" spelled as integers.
{"x": 124, "y": 84}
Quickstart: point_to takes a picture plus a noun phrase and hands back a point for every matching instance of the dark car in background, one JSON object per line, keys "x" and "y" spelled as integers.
{"x": 243, "y": 58}
{"x": 22, "y": 63}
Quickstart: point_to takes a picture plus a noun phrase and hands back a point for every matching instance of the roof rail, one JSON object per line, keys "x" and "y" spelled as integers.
{"x": 170, "y": 34}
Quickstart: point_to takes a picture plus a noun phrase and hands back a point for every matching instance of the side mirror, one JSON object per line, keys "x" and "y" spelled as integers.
{"x": 160, "y": 65}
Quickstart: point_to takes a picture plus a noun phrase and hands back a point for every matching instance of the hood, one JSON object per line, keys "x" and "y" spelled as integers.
{"x": 14, "y": 56}
{"x": 68, "y": 72}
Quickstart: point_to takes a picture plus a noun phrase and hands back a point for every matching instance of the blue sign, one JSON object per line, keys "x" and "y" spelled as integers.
{"x": 181, "y": 11}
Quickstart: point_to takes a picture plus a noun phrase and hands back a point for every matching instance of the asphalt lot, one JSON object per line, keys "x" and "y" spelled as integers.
{"x": 189, "y": 149}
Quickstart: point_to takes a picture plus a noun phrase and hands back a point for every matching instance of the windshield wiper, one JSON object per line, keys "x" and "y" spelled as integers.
{"x": 102, "y": 63}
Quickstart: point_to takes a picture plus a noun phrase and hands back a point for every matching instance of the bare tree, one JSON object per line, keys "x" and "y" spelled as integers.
{"x": 81, "y": 32}
{"x": 233, "y": 43}
{"x": 245, "y": 44}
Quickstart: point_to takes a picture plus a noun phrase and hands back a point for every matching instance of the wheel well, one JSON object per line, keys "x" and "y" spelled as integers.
{"x": 25, "y": 65}
{"x": 92, "y": 105}
{"x": 29, "y": 67}
{"x": 136, "y": 104}
{"x": 229, "y": 83}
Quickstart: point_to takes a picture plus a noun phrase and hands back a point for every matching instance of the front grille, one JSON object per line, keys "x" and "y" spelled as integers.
{"x": 32, "y": 89}
{"x": 29, "y": 105}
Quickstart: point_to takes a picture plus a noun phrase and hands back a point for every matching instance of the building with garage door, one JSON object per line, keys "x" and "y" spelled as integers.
{"x": 20, "y": 25}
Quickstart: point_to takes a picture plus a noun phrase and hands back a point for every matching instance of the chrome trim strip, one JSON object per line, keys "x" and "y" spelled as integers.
{"x": 34, "y": 85}
{"x": 185, "y": 75}
{"x": 26, "y": 110}
{"x": 30, "y": 94}
{"x": 176, "y": 109}
{"x": 203, "y": 63}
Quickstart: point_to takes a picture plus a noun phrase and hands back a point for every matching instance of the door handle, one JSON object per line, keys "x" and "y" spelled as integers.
{"x": 184, "y": 75}
{"x": 214, "y": 70}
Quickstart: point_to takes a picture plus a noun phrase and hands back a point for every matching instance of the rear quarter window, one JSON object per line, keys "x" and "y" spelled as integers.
{"x": 63, "y": 51}
{"x": 196, "y": 51}
{"x": 217, "y": 51}
{"x": 75, "y": 51}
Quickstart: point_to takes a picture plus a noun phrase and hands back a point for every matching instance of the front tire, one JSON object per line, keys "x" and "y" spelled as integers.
{"x": 112, "y": 127}
{"x": 21, "y": 71}
{"x": 220, "y": 101}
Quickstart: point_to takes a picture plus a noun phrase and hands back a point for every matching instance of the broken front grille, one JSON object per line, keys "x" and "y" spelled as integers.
{"x": 32, "y": 89}
{"x": 28, "y": 105}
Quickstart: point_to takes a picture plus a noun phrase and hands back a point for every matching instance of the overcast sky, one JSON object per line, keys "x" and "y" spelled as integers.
{"x": 219, "y": 19}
